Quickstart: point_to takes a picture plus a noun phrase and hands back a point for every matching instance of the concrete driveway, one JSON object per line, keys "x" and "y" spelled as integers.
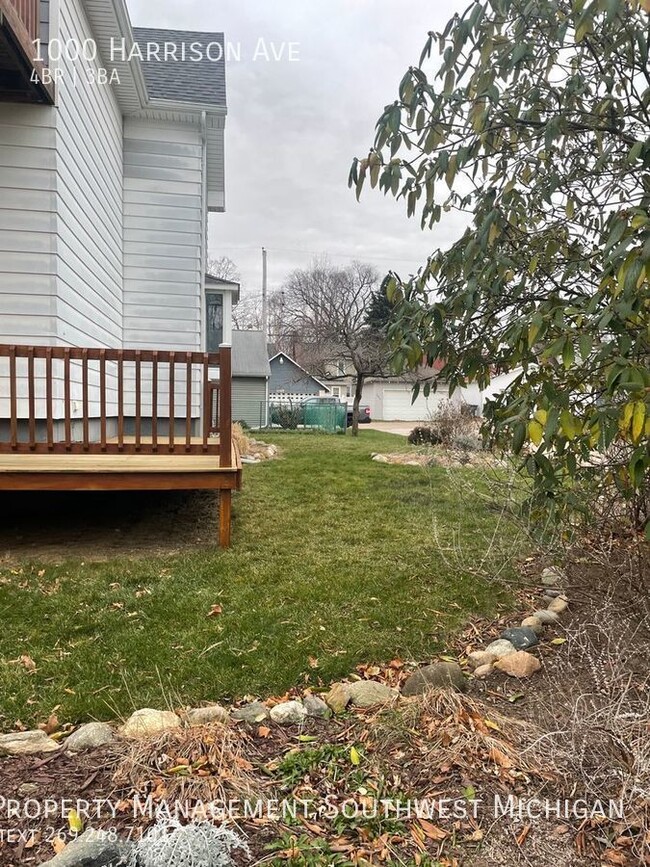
{"x": 402, "y": 428}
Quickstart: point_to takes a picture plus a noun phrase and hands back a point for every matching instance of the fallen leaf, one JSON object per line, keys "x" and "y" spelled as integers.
{"x": 264, "y": 731}
{"x": 614, "y": 857}
{"x": 522, "y": 836}
{"x": 51, "y": 725}
{"x": 58, "y": 844}
{"x": 355, "y": 758}
{"x": 27, "y": 662}
{"x": 215, "y": 610}
{"x": 557, "y": 641}
{"x": 500, "y": 758}
{"x": 313, "y": 662}
{"x": 74, "y": 822}
{"x": 433, "y": 832}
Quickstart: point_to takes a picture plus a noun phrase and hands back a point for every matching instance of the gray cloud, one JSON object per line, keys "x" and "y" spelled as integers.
{"x": 294, "y": 127}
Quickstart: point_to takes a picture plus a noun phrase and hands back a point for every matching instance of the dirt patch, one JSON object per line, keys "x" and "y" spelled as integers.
{"x": 53, "y": 525}
{"x": 441, "y": 456}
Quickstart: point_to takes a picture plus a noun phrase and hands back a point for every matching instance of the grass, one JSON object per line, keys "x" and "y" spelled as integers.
{"x": 333, "y": 563}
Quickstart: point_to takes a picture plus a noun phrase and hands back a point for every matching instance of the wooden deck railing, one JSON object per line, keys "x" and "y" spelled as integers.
{"x": 108, "y": 401}
{"x": 29, "y": 13}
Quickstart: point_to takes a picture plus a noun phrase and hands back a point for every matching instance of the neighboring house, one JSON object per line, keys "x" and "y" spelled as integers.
{"x": 290, "y": 382}
{"x": 250, "y": 378}
{"x": 109, "y": 169}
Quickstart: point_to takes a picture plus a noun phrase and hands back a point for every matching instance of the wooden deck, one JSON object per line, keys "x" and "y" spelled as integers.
{"x": 34, "y": 458}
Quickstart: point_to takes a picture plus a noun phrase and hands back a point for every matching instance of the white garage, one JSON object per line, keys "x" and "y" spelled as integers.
{"x": 398, "y": 405}
{"x": 392, "y": 401}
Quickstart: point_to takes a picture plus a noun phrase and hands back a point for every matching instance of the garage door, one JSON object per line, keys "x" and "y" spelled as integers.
{"x": 398, "y": 406}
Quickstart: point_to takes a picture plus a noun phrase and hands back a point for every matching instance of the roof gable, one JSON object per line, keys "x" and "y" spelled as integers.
{"x": 305, "y": 373}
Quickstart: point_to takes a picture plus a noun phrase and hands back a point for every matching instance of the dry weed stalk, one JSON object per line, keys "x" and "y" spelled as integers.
{"x": 459, "y": 731}
{"x": 205, "y": 763}
{"x": 501, "y": 544}
{"x": 598, "y": 727}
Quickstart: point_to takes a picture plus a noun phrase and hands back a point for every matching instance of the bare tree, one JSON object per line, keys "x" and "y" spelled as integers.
{"x": 224, "y": 269}
{"x": 328, "y": 308}
{"x": 247, "y": 313}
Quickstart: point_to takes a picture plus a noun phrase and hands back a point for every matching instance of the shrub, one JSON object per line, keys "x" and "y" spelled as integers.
{"x": 287, "y": 417}
{"x": 424, "y": 436}
{"x": 452, "y": 420}
{"x": 468, "y": 443}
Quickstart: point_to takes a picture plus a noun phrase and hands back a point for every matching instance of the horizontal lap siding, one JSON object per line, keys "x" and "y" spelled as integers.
{"x": 249, "y": 400}
{"x": 89, "y": 168}
{"x": 162, "y": 235}
{"x": 162, "y": 249}
{"x": 27, "y": 224}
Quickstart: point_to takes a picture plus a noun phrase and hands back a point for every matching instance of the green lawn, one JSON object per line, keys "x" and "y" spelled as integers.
{"x": 333, "y": 560}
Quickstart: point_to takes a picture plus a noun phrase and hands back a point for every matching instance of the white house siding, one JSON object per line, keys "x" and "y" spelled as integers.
{"x": 27, "y": 232}
{"x": 163, "y": 190}
{"x": 89, "y": 185}
{"x": 474, "y": 397}
{"x": 27, "y": 223}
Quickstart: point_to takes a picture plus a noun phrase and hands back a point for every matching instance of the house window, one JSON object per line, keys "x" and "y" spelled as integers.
{"x": 214, "y": 321}
{"x": 336, "y": 390}
{"x": 348, "y": 391}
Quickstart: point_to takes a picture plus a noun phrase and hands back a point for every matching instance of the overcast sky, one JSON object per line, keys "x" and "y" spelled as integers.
{"x": 294, "y": 127}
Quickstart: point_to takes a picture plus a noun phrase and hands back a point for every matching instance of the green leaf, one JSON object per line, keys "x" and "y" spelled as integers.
{"x": 519, "y": 437}
{"x": 355, "y": 757}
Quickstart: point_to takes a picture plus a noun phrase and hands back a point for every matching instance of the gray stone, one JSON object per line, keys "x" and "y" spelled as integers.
{"x": 316, "y": 707}
{"x": 558, "y": 605}
{"x": 90, "y": 736}
{"x": 93, "y": 848}
{"x": 546, "y": 599}
{"x": 483, "y": 671}
{"x": 440, "y": 674}
{"x": 27, "y": 743}
{"x": 380, "y": 459}
{"x": 500, "y": 648}
{"x": 289, "y": 713}
{"x": 535, "y": 624}
{"x": 247, "y": 459}
{"x": 254, "y": 712}
{"x": 338, "y": 697}
{"x": 547, "y": 617}
{"x": 203, "y": 716}
{"x": 521, "y": 637}
{"x": 146, "y": 722}
{"x": 478, "y": 658}
{"x": 551, "y": 593}
{"x": 552, "y": 577}
{"x": 367, "y": 693}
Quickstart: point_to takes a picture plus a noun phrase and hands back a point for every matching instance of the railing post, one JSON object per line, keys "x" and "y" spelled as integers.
{"x": 225, "y": 406}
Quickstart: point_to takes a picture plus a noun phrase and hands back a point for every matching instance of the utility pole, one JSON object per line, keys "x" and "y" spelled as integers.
{"x": 265, "y": 301}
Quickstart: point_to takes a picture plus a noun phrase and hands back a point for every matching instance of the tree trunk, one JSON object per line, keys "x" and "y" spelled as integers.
{"x": 358, "y": 391}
